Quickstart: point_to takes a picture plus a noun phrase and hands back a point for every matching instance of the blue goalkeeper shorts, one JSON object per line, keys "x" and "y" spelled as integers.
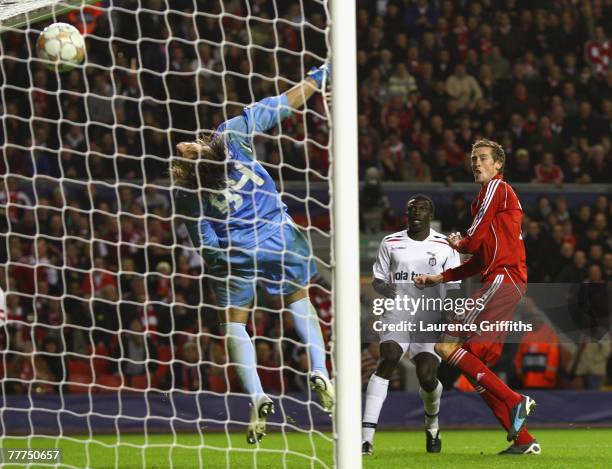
{"x": 282, "y": 264}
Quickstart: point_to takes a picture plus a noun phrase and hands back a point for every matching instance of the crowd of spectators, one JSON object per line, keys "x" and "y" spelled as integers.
{"x": 157, "y": 76}
{"x": 105, "y": 291}
{"x": 436, "y": 75}
{"x": 568, "y": 246}
{"x": 96, "y": 293}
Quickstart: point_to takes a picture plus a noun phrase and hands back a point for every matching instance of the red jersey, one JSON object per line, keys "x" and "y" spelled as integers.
{"x": 494, "y": 238}
{"x": 599, "y": 55}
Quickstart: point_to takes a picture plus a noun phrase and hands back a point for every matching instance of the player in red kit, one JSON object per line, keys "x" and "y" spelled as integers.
{"x": 498, "y": 254}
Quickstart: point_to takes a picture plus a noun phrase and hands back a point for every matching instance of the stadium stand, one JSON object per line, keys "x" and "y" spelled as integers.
{"x": 433, "y": 77}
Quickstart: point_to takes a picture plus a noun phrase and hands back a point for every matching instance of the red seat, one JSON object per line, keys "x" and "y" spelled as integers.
{"x": 76, "y": 382}
{"x": 300, "y": 219}
{"x": 217, "y": 383}
{"x": 79, "y": 373}
{"x": 79, "y": 367}
{"x": 321, "y": 221}
{"x": 139, "y": 382}
{"x": 110, "y": 382}
{"x": 164, "y": 355}
{"x": 101, "y": 363}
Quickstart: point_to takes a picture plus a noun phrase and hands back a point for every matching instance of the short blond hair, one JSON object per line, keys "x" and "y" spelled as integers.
{"x": 496, "y": 151}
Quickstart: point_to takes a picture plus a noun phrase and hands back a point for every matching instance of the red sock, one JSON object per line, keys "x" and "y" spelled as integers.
{"x": 473, "y": 368}
{"x": 500, "y": 411}
{"x": 524, "y": 437}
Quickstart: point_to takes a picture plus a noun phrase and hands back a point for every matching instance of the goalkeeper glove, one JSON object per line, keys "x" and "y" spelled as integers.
{"x": 319, "y": 74}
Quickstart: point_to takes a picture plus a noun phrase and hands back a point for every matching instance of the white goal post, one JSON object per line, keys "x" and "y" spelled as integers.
{"x": 346, "y": 228}
{"x": 17, "y": 14}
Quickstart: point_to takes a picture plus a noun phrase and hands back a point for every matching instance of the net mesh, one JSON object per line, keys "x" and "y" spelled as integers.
{"x": 111, "y": 321}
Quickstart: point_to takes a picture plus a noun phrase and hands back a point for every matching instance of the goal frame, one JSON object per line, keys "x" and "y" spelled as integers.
{"x": 47, "y": 9}
{"x": 345, "y": 256}
{"x": 344, "y": 194}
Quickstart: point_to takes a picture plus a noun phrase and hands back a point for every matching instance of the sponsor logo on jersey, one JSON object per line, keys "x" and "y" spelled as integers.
{"x": 401, "y": 275}
{"x": 432, "y": 259}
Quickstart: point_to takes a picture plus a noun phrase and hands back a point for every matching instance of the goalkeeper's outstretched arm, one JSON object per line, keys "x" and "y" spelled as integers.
{"x": 300, "y": 93}
{"x": 269, "y": 112}
{"x": 255, "y": 118}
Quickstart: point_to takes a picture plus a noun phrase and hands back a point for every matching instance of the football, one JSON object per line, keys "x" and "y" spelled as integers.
{"x": 62, "y": 45}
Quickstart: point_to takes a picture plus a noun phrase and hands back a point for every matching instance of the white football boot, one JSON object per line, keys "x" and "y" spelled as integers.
{"x": 260, "y": 410}
{"x": 325, "y": 389}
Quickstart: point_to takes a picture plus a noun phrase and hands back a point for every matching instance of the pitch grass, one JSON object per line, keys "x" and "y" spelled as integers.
{"x": 463, "y": 449}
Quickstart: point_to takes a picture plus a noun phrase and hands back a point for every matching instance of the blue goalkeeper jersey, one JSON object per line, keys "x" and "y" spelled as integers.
{"x": 249, "y": 209}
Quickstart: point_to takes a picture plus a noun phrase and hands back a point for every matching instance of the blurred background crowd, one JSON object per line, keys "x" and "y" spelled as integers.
{"x": 102, "y": 290}
{"x": 106, "y": 292}
{"x": 436, "y": 75}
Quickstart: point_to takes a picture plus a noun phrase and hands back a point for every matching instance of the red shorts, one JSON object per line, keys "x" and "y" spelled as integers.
{"x": 495, "y": 302}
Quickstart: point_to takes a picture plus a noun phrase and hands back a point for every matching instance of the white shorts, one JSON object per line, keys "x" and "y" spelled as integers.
{"x": 405, "y": 339}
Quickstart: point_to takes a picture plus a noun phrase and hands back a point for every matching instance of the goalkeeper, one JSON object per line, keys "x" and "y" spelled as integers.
{"x": 235, "y": 215}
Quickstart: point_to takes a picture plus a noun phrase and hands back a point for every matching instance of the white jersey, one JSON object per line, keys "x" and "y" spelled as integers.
{"x": 401, "y": 258}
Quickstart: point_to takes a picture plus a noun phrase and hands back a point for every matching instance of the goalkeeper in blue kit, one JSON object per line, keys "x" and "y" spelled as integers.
{"x": 235, "y": 215}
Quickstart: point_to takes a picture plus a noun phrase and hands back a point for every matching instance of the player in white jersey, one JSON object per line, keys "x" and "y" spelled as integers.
{"x": 401, "y": 257}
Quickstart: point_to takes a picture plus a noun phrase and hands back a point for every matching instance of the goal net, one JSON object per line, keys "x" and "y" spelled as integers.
{"x": 111, "y": 347}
